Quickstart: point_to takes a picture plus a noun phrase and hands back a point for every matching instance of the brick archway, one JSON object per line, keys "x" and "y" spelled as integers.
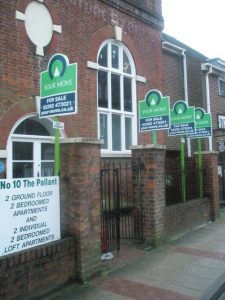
{"x": 106, "y": 33}
{"x": 17, "y": 111}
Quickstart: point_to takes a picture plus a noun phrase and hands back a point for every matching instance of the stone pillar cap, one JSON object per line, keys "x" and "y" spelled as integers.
{"x": 149, "y": 146}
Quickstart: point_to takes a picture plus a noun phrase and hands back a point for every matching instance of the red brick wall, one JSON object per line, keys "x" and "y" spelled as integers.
{"x": 86, "y": 25}
{"x": 80, "y": 204}
{"x": 173, "y": 85}
{"x": 36, "y": 271}
{"x": 195, "y": 88}
{"x": 152, "y": 190}
{"x": 182, "y": 217}
{"x": 211, "y": 185}
{"x": 217, "y": 104}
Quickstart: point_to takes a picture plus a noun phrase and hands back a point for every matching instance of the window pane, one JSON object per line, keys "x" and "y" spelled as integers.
{"x": 116, "y": 132}
{"x": 102, "y": 89}
{"x": 31, "y": 127}
{"x": 47, "y": 169}
{"x": 115, "y": 57}
{"x": 115, "y": 86}
{"x": 222, "y": 87}
{"x": 127, "y": 94}
{"x": 22, "y": 170}
{"x": 22, "y": 151}
{"x": 128, "y": 133}
{"x": 126, "y": 64}
{"x": 102, "y": 59}
{"x": 103, "y": 131}
{"x": 47, "y": 151}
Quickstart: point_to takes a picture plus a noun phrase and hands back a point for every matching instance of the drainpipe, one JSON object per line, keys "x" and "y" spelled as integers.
{"x": 208, "y": 106}
{"x": 186, "y": 94}
{"x": 175, "y": 49}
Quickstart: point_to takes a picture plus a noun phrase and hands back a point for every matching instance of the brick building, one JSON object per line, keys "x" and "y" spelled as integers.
{"x": 117, "y": 48}
{"x": 120, "y": 55}
{"x": 195, "y": 78}
{"x": 103, "y": 38}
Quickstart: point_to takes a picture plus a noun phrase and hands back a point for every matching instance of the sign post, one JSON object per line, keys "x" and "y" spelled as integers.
{"x": 203, "y": 123}
{"x": 57, "y": 150}
{"x": 58, "y": 90}
{"x": 182, "y": 123}
{"x": 154, "y": 113}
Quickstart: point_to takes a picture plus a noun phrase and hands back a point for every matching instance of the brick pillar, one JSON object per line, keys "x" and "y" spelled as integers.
{"x": 210, "y": 182}
{"x": 151, "y": 158}
{"x": 80, "y": 202}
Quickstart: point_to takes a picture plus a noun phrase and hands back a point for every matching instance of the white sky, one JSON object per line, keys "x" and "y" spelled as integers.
{"x": 200, "y": 24}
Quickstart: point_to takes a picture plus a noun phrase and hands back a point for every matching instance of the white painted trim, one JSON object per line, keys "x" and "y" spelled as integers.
{"x": 80, "y": 140}
{"x": 219, "y": 80}
{"x": 40, "y": 50}
{"x": 171, "y": 47}
{"x": 20, "y": 16}
{"x": 116, "y": 155}
{"x": 57, "y": 28}
{"x": 92, "y": 65}
{"x": 37, "y": 104}
{"x": 3, "y": 154}
{"x": 118, "y": 33}
{"x": 140, "y": 79}
{"x": 149, "y": 146}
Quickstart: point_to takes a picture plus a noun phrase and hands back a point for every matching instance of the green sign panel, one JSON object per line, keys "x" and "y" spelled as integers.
{"x": 154, "y": 112}
{"x": 203, "y": 124}
{"x": 182, "y": 118}
{"x": 58, "y": 87}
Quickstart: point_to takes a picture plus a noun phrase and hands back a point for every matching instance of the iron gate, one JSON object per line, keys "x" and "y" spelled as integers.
{"x": 121, "y": 215}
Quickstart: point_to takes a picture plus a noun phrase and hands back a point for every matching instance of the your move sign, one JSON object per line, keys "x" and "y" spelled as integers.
{"x": 58, "y": 88}
{"x": 203, "y": 123}
{"x": 154, "y": 112}
{"x": 182, "y": 118}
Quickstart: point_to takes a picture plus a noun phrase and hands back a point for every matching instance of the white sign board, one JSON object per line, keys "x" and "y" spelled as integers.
{"x": 58, "y": 125}
{"x": 29, "y": 213}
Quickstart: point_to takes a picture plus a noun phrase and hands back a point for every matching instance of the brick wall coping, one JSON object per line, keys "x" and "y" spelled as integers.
{"x": 138, "y": 10}
{"x": 80, "y": 140}
{"x": 208, "y": 152}
{"x": 149, "y": 146}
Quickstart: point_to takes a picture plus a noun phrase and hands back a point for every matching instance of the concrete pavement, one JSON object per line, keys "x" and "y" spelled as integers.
{"x": 191, "y": 267}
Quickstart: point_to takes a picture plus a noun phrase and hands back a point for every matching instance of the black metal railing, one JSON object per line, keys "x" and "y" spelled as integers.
{"x": 121, "y": 216}
{"x": 175, "y": 193}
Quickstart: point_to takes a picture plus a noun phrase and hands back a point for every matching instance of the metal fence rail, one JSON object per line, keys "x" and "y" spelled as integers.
{"x": 173, "y": 186}
{"x": 120, "y": 215}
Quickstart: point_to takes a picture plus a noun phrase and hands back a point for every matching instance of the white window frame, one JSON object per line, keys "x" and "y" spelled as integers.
{"x": 109, "y": 111}
{"x": 35, "y": 139}
{"x": 219, "y": 81}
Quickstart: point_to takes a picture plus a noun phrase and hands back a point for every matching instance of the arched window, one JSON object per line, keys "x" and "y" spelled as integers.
{"x": 116, "y": 98}
{"x": 31, "y": 149}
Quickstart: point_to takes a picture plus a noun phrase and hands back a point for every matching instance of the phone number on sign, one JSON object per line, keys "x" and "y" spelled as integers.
{"x": 56, "y": 105}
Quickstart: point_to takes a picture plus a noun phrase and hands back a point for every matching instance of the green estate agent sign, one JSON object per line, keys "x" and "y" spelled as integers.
{"x": 203, "y": 124}
{"x": 58, "y": 88}
{"x": 154, "y": 112}
{"x": 182, "y": 119}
